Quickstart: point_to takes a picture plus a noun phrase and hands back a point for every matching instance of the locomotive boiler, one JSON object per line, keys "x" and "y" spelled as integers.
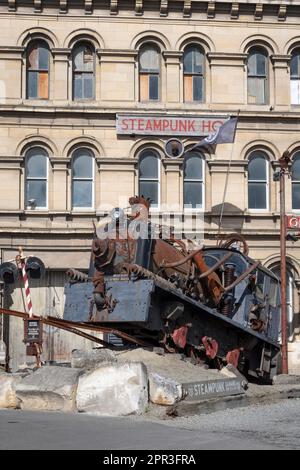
{"x": 213, "y": 304}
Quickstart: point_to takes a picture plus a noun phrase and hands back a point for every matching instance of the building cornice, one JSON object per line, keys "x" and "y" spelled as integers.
{"x": 210, "y": 9}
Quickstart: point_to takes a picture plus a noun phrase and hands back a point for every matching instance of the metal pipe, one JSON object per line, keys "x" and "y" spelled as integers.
{"x": 181, "y": 261}
{"x": 283, "y": 273}
{"x": 215, "y": 266}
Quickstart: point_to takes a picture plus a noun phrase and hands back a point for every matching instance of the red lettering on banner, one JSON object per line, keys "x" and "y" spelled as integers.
{"x": 141, "y": 124}
{"x": 293, "y": 222}
{"x": 191, "y": 126}
{"x": 157, "y": 125}
{"x": 124, "y": 125}
{"x": 216, "y": 125}
{"x": 206, "y": 126}
{"x": 132, "y": 124}
{"x": 174, "y": 126}
{"x": 149, "y": 125}
{"x": 182, "y": 126}
{"x": 166, "y": 124}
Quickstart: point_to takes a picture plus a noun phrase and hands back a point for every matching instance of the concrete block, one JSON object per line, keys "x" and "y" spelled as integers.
{"x": 8, "y": 398}
{"x": 163, "y": 390}
{"x": 114, "y": 390}
{"x": 90, "y": 360}
{"x": 50, "y": 388}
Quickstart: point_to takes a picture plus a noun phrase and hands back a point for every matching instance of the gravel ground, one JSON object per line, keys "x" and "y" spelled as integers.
{"x": 276, "y": 425}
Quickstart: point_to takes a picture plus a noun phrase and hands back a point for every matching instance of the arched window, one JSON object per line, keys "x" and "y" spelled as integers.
{"x": 296, "y": 182}
{"x": 149, "y": 177}
{"x": 193, "y": 73}
{"x": 83, "y": 179}
{"x": 258, "y": 76}
{"x": 36, "y": 178}
{"x": 193, "y": 183}
{"x": 295, "y": 77}
{"x": 258, "y": 181}
{"x": 149, "y": 71}
{"x": 37, "y": 65}
{"x": 290, "y": 286}
{"x": 83, "y": 72}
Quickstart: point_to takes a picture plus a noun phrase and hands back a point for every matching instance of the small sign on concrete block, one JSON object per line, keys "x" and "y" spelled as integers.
{"x": 114, "y": 390}
{"x": 212, "y": 388}
{"x": 50, "y": 388}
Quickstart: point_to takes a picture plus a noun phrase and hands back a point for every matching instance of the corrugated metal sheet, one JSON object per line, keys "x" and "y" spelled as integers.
{"x": 47, "y": 299}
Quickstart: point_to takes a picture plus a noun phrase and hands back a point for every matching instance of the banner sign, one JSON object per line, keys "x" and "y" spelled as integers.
{"x": 293, "y": 222}
{"x": 168, "y": 125}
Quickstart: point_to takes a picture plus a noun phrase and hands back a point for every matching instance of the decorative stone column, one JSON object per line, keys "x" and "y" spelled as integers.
{"x": 60, "y": 89}
{"x": 11, "y": 61}
{"x": 281, "y": 66}
{"x": 58, "y": 187}
{"x": 173, "y": 70}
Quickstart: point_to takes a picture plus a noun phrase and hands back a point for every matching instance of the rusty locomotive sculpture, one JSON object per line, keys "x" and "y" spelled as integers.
{"x": 213, "y": 304}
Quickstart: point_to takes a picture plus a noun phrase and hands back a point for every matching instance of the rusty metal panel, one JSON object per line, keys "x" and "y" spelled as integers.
{"x": 48, "y": 300}
{"x": 144, "y": 87}
{"x": 43, "y": 85}
{"x": 188, "y": 88}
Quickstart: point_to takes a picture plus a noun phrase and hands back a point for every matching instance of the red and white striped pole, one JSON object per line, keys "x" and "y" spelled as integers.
{"x": 22, "y": 263}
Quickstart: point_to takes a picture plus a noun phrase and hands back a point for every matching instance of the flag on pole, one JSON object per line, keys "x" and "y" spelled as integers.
{"x": 224, "y": 135}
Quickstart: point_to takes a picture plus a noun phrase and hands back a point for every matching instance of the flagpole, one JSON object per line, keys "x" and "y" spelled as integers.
{"x": 226, "y": 184}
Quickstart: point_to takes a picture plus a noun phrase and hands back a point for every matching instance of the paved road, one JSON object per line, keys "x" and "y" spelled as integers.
{"x": 274, "y": 426}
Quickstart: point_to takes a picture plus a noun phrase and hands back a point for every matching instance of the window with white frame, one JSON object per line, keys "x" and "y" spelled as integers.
{"x": 83, "y": 72}
{"x": 83, "y": 179}
{"x": 295, "y": 77}
{"x": 149, "y": 176}
{"x": 36, "y": 178}
{"x": 149, "y": 72}
{"x": 296, "y": 182}
{"x": 258, "y": 76}
{"x": 37, "y": 67}
{"x": 193, "y": 182}
{"x": 258, "y": 181}
{"x": 193, "y": 73}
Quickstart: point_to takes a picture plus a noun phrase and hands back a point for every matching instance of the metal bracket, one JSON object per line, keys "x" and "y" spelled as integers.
{"x": 113, "y": 7}
{"x": 211, "y": 9}
{"x": 164, "y": 4}
{"x": 138, "y": 7}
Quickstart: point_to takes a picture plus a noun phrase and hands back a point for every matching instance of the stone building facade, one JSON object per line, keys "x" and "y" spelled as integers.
{"x": 70, "y": 71}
